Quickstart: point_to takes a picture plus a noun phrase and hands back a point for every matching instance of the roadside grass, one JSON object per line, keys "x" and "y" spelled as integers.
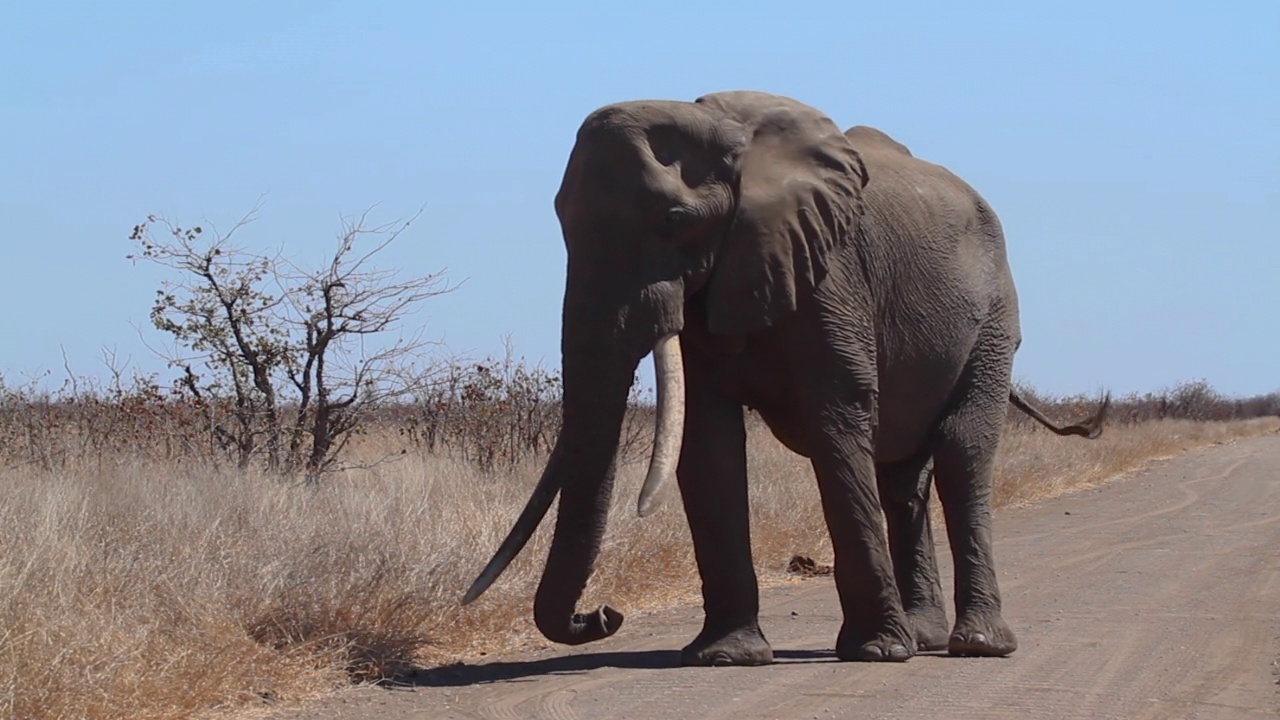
{"x": 130, "y": 588}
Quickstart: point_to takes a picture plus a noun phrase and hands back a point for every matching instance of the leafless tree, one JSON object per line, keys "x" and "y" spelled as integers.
{"x": 286, "y": 362}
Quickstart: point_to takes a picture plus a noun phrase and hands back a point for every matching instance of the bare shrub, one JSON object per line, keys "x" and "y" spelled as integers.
{"x": 86, "y": 421}
{"x": 494, "y": 414}
{"x": 280, "y": 359}
{"x": 1193, "y": 400}
{"x": 498, "y": 412}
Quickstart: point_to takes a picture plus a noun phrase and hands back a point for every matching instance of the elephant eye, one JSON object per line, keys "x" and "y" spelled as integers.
{"x": 677, "y": 219}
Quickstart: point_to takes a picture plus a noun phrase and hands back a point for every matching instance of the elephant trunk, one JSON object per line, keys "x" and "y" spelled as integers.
{"x": 670, "y": 373}
{"x": 601, "y": 350}
{"x": 586, "y": 495}
{"x": 595, "y": 401}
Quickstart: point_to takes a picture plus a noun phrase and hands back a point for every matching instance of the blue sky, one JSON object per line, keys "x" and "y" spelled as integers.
{"x": 1132, "y": 151}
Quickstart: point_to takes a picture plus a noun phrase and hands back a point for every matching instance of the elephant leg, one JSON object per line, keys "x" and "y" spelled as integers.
{"x": 904, "y": 495}
{"x": 712, "y": 475}
{"x": 964, "y": 458}
{"x": 875, "y": 627}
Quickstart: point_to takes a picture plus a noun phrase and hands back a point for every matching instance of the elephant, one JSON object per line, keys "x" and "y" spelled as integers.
{"x": 857, "y": 298}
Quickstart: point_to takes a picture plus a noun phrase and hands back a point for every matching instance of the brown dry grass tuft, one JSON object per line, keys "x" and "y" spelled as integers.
{"x": 130, "y": 588}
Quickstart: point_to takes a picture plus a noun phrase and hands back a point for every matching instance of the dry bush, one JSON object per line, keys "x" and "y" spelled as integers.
{"x": 87, "y": 422}
{"x": 492, "y": 413}
{"x": 1193, "y": 400}
{"x": 134, "y": 584}
{"x": 497, "y": 413}
{"x": 285, "y": 363}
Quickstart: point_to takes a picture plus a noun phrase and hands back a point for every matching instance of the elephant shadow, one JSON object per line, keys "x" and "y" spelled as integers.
{"x": 463, "y": 675}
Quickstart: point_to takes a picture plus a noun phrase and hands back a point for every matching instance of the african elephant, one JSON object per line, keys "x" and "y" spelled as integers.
{"x": 857, "y": 298}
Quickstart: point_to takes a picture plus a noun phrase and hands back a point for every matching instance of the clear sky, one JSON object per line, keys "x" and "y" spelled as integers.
{"x": 1131, "y": 149}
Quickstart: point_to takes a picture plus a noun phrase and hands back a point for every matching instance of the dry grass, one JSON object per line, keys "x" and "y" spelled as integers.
{"x": 1038, "y": 465}
{"x": 134, "y": 590}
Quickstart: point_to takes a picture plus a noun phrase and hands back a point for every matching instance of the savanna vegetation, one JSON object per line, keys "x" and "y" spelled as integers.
{"x": 286, "y": 512}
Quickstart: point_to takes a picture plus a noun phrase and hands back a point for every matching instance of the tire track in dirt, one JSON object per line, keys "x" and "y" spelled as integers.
{"x": 1232, "y": 654}
{"x": 1156, "y": 596}
{"x": 1189, "y": 498}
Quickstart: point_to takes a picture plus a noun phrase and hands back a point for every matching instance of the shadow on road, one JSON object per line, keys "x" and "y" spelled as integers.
{"x": 461, "y": 675}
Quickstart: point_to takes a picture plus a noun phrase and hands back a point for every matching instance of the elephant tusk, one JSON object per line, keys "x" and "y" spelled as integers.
{"x": 534, "y": 510}
{"x": 668, "y": 365}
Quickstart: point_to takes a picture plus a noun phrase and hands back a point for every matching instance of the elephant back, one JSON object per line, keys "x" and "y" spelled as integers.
{"x": 868, "y": 139}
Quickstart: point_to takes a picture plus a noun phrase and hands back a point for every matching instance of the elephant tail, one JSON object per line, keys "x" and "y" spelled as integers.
{"x": 1091, "y": 428}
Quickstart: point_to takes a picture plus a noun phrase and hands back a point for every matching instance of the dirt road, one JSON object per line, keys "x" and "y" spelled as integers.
{"x": 1156, "y": 596}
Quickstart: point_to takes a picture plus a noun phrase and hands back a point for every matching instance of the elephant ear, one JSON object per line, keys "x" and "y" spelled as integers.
{"x": 799, "y": 199}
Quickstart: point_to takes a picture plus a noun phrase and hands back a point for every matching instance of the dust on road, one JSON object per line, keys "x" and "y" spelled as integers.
{"x": 1156, "y": 596}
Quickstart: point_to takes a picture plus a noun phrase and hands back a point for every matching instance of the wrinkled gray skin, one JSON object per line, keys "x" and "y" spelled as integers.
{"x": 856, "y": 297}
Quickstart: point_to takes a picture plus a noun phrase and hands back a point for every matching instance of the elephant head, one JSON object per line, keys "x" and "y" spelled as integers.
{"x": 730, "y": 208}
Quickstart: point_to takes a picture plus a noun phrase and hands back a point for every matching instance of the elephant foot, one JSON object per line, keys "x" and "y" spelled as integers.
{"x": 982, "y": 635}
{"x": 884, "y": 647}
{"x": 930, "y": 628}
{"x": 745, "y": 646}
